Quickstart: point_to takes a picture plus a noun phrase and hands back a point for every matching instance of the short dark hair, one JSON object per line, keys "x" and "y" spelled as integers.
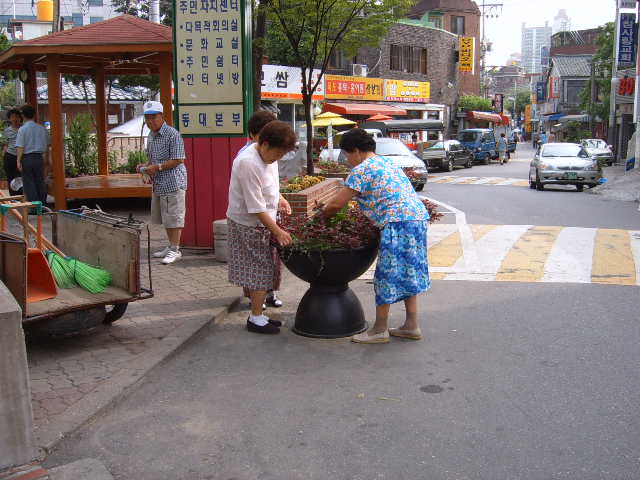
{"x": 502, "y": 135}
{"x": 14, "y": 111}
{"x": 28, "y": 111}
{"x": 278, "y": 135}
{"x": 357, "y": 138}
{"x": 258, "y": 120}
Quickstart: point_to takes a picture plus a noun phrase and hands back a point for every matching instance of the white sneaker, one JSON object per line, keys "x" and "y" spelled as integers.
{"x": 162, "y": 253}
{"x": 172, "y": 256}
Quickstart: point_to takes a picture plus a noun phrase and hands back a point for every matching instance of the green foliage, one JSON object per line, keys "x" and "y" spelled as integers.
{"x": 81, "y": 147}
{"x": 8, "y": 94}
{"x": 5, "y": 43}
{"x": 140, "y": 8}
{"x": 474, "y": 102}
{"x": 576, "y": 132}
{"x": 151, "y": 82}
{"x": 112, "y": 161}
{"x": 136, "y": 158}
{"x": 603, "y": 61}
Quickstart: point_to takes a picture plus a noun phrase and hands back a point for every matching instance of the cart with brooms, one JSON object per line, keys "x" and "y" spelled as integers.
{"x": 84, "y": 276}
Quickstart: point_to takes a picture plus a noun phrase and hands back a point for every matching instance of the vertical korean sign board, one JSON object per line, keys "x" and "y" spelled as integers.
{"x": 627, "y": 39}
{"x": 467, "y": 54}
{"x": 212, "y": 67}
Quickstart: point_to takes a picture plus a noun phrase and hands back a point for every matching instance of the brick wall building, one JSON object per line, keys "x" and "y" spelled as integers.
{"x": 460, "y": 17}
{"x": 578, "y": 42}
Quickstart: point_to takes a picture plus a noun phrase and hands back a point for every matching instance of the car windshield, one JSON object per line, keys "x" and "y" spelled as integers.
{"x": 563, "y": 150}
{"x": 468, "y": 136}
{"x": 595, "y": 143}
{"x": 436, "y": 146}
{"x": 392, "y": 149}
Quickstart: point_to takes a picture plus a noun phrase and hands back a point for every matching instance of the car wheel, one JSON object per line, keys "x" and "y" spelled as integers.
{"x": 539, "y": 184}
{"x": 449, "y": 167}
{"x": 419, "y": 187}
{"x": 469, "y": 163}
{"x": 580, "y": 187}
{"x": 487, "y": 159}
{"x": 532, "y": 184}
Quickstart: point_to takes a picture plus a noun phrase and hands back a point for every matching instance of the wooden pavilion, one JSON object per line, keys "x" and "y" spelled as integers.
{"x": 124, "y": 45}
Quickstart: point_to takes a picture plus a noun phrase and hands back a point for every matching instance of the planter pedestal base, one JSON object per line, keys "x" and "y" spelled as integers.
{"x": 329, "y": 312}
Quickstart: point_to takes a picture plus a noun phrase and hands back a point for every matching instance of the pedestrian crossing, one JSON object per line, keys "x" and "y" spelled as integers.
{"x": 530, "y": 253}
{"x": 493, "y": 181}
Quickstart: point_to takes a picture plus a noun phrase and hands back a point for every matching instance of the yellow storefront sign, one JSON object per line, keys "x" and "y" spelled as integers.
{"x": 407, "y": 91}
{"x": 353, "y": 88}
{"x": 466, "y": 61}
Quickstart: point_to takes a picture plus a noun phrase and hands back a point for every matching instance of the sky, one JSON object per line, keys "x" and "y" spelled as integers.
{"x": 505, "y": 30}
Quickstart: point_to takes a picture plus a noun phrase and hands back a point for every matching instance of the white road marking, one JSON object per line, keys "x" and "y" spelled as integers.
{"x": 566, "y": 261}
{"x": 635, "y": 248}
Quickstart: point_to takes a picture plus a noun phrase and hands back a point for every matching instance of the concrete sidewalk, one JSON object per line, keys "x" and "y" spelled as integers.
{"x": 72, "y": 379}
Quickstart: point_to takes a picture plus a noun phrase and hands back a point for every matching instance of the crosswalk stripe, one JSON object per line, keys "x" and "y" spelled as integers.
{"x": 635, "y": 248}
{"x": 436, "y": 235}
{"x": 480, "y": 231}
{"x": 612, "y": 258}
{"x": 526, "y": 260}
{"x": 499, "y": 181}
{"x": 566, "y": 259}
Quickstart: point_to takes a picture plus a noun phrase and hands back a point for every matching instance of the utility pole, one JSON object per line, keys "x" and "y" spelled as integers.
{"x": 154, "y": 11}
{"x": 592, "y": 98}
{"x": 611, "y": 133}
{"x": 56, "y": 16}
{"x": 486, "y": 9}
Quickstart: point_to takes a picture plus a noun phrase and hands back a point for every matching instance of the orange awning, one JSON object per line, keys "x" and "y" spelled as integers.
{"x": 484, "y": 116}
{"x": 363, "y": 109}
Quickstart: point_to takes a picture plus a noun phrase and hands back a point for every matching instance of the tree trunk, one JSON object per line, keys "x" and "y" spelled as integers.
{"x": 306, "y": 101}
{"x": 258, "y": 51}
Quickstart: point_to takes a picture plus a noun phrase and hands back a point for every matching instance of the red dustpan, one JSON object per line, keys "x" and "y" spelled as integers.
{"x": 40, "y": 282}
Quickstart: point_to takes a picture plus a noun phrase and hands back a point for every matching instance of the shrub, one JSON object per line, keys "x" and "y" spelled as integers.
{"x": 82, "y": 154}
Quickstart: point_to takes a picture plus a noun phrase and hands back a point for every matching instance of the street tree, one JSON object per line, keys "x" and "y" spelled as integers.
{"x": 474, "y": 102}
{"x": 598, "y": 107}
{"x": 316, "y": 29}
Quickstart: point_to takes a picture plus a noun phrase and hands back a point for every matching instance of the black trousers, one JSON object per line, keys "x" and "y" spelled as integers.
{"x": 33, "y": 177}
{"x": 11, "y": 170}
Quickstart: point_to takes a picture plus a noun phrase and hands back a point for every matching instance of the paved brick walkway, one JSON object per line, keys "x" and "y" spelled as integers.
{"x": 65, "y": 371}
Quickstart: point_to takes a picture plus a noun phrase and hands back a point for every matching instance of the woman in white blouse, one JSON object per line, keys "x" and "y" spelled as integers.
{"x": 254, "y": 200}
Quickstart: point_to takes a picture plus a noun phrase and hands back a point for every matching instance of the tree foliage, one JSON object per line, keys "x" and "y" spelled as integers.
{"x": 474, "y": 102}
{"x": 315, "y": 29}
{"x": 603, "y": 63}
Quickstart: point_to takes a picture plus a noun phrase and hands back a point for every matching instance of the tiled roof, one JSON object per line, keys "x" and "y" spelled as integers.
{"x": 572, "y": 65}
{"x": 72, "y": 92}
{"x": 424, "y": 6}
{"x": 123, "y": 29}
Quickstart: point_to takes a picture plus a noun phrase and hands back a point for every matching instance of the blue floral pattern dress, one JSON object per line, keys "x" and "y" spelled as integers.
{"x": 386, "y": 196}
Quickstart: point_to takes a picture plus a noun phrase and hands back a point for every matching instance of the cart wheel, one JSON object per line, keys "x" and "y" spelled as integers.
{"x": 115, "y": 312}
{"x": 68, "y": 324}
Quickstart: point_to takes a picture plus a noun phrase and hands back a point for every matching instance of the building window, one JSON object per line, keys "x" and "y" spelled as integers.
{"x": 77, "y": 18}
{"x": 95, "y": 3}
{"x": 457, "y": 25}
{"x": 573, "y": 89}
{"x": 95, "y": 19}
{"x": 336, "y": 60}
{"x": 404, "y": 58}
{"x": 436, "y": 20}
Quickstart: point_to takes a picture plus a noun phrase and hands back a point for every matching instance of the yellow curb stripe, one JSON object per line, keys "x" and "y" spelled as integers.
{"x": 468, "y": 181}
{"x": 479, "y": 231}
{"x": 526, "y": 259}
{"x": 437, "y": 275}
{"x": 446, "y": 252}
{"x": 612, "y": 258}
{"x": 523, "y": 183}
{"x": 443, "y": 180}
{"x": 493, "y": 181}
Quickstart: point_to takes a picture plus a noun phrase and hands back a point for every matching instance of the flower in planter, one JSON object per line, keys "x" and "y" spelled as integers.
{"x": 348, "y": 229}
{"x": 297, "y": 184}
{"x": 332, "y": 167}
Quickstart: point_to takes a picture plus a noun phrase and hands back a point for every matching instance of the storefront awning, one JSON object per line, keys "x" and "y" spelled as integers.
{"x": 363, "y": 109}
{"x": 484, "y": 117}
{"x": 573, "y": 118}
{"x": 553, "y": 117}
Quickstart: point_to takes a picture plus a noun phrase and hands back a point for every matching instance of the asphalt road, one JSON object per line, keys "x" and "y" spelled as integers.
{"x": 513, "y": 381}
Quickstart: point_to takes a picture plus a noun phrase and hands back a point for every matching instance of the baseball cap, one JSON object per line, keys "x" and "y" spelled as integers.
{"x": 152, "y": 107}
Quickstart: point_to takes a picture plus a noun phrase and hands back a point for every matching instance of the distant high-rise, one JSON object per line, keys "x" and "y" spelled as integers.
{"x": 561, "y": 22}
{"x": 535, "y": 41}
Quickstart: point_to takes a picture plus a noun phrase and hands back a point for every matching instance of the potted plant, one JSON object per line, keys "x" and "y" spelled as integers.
{"x": 331, "y": 169}
{"x": 329, "y": 254}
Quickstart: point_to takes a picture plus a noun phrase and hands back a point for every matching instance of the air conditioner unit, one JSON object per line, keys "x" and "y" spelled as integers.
{"x": 359, "y": 70}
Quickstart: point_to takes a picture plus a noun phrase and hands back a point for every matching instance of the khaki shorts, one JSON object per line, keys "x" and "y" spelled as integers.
{"x": 168, "y": 210}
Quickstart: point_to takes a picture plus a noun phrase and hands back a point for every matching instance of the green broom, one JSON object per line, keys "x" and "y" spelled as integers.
{"x": 62, "y": 271}
{"x": 93, "y": 279}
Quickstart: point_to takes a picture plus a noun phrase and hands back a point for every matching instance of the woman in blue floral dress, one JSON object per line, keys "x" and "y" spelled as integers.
{"x": 387, "y": 198}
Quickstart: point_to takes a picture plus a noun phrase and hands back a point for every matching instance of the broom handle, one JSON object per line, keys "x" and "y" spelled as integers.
{"x": 39, "y": 234}
{"x": 32, "y": 229}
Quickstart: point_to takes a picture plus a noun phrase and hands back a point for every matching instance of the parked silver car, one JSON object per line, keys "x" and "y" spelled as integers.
{"x": 599, "y": 150}
{"x": 563, "y": 164}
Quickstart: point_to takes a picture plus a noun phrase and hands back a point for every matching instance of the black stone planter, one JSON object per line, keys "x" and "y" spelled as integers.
{"x": 329, "y": 309}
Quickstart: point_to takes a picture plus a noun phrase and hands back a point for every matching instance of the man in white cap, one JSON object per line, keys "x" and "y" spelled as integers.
{"x": 165, "y": 150}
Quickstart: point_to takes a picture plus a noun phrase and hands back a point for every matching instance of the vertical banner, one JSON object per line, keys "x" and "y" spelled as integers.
{"x": 212, "y": 67}
{"x": 466, "y": 54}
{"x": 498, "y": 101}
{"x": 540, "y": 92}
{"x": 626, "y": 40}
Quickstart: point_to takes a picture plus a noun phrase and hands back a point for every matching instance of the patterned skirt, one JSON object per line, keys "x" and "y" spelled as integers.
{"x": 402, "y": 270}
{"x": 253, "y": 261}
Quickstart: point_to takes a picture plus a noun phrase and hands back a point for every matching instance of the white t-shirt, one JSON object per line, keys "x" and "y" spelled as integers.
{"x": 254, "y": 188}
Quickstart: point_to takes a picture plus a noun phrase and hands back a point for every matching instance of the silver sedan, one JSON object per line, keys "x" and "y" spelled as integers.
{"x": 563, "y": 164}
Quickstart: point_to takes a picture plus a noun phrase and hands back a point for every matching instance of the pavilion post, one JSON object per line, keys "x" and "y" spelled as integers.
{"x": 166, "y": 72}
{"x": 57, "y": 130}
{"x": 101, "y": 121}
{"x": 31, "y": 88}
